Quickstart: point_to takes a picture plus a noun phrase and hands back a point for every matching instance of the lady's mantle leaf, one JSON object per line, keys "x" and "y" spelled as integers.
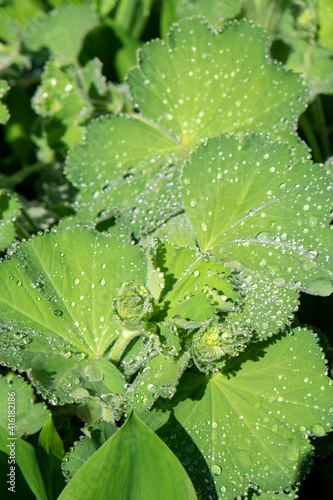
{"x": 134, "y": 463}
{"x": 255, "y": 205}
{"x": 251, "y": 422}
{"x": 196, "y": 84}
{"x": 62, "y": 31}
{"x": 28, "y": 417}
{"x": 56, "y": 306}
{"x": 95, "y": 436}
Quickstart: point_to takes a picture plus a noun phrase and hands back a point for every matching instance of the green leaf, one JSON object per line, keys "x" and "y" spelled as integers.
{"x": 62, "y": 31}
{"x": 95, "y": 436}
{"x": 4, "y": 113}
{"x": 130, "y": 166}
{"x": 188, "y": 283}
{"x": 254, "y": 204}
{"x": 29, "y": 416}
{"x": 9, "y": 210}
{"x": 325, "y": 18}
{"x": 263, "y": 306}
{"x": 216, "y": 12}
{"x": 62, "y": 103}
{"x": 315, "y": 63}
{"x": 135, "y": 463}
{"x": 159, "y": 377}
{"x": 49, "y": 439}
{"x": 26, "y": 460}
{"x": 251, "y": 421}
{"x": 63, "y": 321}
{"x": 50, "y": 453}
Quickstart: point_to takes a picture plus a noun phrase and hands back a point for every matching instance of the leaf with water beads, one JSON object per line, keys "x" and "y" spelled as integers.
{"x": 195, "y": 84}
{"x": 133, "y": 452}
{"x": 263, "y": 307}
{"x": 95, "y": 435}
{"x": 58, "y": 305}
{"x": 251, "y": 422}
{"x": 29, "y": 417}
{"x": 259, "y": 207}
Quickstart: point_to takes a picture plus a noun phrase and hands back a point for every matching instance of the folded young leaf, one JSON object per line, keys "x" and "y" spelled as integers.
{"x": 254, "y": 204}
{"x": 196, "y": 84}
{"x": 134, "y": 463}
{"x": 4, "y": 113}
{"x": 252, "y": 421}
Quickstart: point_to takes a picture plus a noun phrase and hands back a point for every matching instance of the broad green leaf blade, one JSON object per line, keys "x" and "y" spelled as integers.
{"x": 134, "y": 464}
{"x": 26, "y": 461}
{"x": 264, "y": 307}
{"x": 62, "y": 31}
{"x": 74, "y": 300}
{"x": 253, "y": 204}
{"x": 50, "y": 440}
{"x": 251, "y": 422}
{"x": 95, "y": 436}
{"x": 129, "y": 166}
{"x": 28, "y": 417}
{"x": 57, "y": 315}
{"x": 9, "y": 210}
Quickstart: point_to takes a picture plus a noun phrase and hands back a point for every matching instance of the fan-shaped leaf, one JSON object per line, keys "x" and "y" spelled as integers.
{"x": 197, "y": 83}
{"x": 255, "y": 205}
{"x": 251, "y": 422}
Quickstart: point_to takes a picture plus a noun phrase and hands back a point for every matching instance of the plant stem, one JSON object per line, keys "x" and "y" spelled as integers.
{"x": 121, "y": 343}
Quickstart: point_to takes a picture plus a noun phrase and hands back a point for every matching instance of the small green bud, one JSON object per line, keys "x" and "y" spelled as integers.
{"x": 133, "y": 302}
{"x": 213, "y": 342}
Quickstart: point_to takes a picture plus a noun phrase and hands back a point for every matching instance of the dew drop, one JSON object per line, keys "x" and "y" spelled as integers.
{"x": 196, "y": 273}
{"x": 102, "y": 282}
{"x": 204, "y": 227}
{"x": 92, "y": 373}
{"x": 19, "y": 283}
{"x": 216, "y": 470}
{"x": 58, "y": 313}
{"x": 79, "y": 393}
{"x": 292, "y": 452}
{"x": 317, "y": 430}
{"x": 76, "y": 281}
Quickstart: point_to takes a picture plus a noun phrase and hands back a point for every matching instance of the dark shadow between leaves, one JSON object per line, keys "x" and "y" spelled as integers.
{"x": 181, "y": 444}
